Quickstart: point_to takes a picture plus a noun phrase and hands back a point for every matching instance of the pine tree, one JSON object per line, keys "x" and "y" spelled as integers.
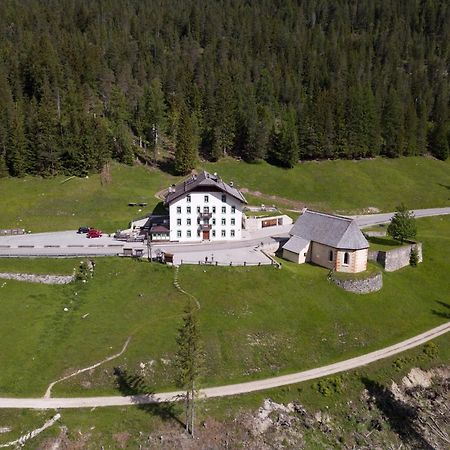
{"x": 284, "y": 147}
{"x": 393, "y": 122}
{"x": 439, "y": 141}
{"x": 17, "y": 147}
{"x": 188, "y": 361}
{"x": 185, "y": 154}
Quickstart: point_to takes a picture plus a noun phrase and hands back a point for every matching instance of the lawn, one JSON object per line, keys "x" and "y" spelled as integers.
{"x": 383, "y": 243}
{"x": 62, "y": 203}
{"x": 255, "y": 322}
{"x": 346, "y": 186}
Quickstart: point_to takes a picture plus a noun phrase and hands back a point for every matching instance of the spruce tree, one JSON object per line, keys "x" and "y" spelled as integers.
{"x": 17, "y": 146}
{"x": 188, "y": 361}
{"x": 185, "y": 153}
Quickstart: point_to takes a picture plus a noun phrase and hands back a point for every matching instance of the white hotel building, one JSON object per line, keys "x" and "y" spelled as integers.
{"x": 204, "y": 208}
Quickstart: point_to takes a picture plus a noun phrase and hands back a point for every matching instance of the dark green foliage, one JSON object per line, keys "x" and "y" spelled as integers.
{"x": 95, "y": 80}
{"x": 188, "y": 362}
{"x": 185, "y": 154}
{"x": 439, "y": 142}
{"x": 413, "y": 257}
{"x": 403, "y": 224}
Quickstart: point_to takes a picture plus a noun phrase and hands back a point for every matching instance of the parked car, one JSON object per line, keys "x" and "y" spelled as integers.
{"x": 93, "y": 233}
{"x": 83, "y": 230}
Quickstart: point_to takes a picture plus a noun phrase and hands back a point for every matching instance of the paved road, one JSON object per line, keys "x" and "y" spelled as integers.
{"x": 231, "y": 389}
{"x": 375, "y": 219}
{"x": 68, "y": 243}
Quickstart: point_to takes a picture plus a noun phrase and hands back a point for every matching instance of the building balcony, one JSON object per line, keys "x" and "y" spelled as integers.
{"x": 205, "y": 226}
{"x": 205, "y": 215}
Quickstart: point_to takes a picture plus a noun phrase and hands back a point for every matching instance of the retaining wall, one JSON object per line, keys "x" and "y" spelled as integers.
{"x": 45, "y": 279}
{"x": 397, "y": 258}
{"x": 364, "y": 286}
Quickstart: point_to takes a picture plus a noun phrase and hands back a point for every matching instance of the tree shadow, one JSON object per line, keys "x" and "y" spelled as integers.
{"x": 444, "y": 186}
{"x": 167, "y": 165}
{"x": 444, "y": 314}
{"x": 160, "y": 210}
{"x": 134, "y": 386}
{"x": 399, "y": 415}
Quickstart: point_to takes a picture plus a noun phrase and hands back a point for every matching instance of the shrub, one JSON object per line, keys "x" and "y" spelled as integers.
{"x": 414, "y": 257}
{"x": 329, "y": 386}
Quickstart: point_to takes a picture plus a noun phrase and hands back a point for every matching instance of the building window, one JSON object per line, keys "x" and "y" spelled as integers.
{"x": 198, "y": 233}
{"x": 233, "y": 221}
{"x": 178, "y": 209}
{"x": 224, "y": 209}
{"x": 206, "y": 209}
{"x": 223, "y": 233}
{"x": 188, "y": 233}
{"x": 233, "y": 209}
{"x": 188, "y": 198}
{"x": 330, "y": 256}
{"x": 224, "y": 222}
{"x": 198, "y": 209}
{"x": 206, "y": 198}
{"x": 346, "y": 259}
{"x": 188, "y": 209}
{"x": 198, "y": 220}
{"x": 188, "y": 221}
{"x": 214, "y": 233}
{"x": 178, "y": 221}
{"x": 214, "y": 221}
{"x": 224, "y": 198}
{"x": 214, "y": 210}
{"x": 179, "y": 233}
{"x": 232, "y": 233}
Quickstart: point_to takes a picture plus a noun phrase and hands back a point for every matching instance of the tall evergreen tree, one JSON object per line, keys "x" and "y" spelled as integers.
{"x": 185, "y": 154}
{"x": 17, "y": 147}
{"x": 188, "y": 361}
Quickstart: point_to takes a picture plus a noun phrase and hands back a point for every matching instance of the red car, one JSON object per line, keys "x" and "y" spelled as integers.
{"x": 93, "y": 233}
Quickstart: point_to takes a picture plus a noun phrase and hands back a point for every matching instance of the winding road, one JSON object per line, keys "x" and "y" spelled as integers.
{"x": 231, "y": 389}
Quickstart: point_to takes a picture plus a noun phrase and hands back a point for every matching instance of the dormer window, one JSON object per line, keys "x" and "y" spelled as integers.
{"x": 224, "y": 198}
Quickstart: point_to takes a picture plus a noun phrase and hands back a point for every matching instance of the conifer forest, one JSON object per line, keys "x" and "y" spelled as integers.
{"x": 83, "y": 82}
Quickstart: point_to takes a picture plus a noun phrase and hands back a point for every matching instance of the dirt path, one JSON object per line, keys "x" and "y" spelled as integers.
{"x": 48, "y": 392}
{"x": 231, "y": 389}
{"x": 30, "y": 435}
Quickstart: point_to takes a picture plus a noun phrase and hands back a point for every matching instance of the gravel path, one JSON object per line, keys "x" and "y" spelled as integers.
{"x": 231, "y": 389}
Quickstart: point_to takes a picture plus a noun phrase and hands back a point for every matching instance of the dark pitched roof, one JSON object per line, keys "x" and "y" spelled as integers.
{"x": 203, "y": 179}
{"x": 335, "y": 231}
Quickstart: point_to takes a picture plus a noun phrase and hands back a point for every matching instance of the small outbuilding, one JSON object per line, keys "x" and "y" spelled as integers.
{"x": 330, "y": 241}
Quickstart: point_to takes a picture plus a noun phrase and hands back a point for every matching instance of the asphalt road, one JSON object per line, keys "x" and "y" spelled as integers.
{"x": 69, "y": 243}
{"x": 375, "y": 219}
{"x": 231, "y": 389}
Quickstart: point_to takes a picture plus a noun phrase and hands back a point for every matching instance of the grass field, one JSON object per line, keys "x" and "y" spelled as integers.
{"x": 300, "y": 321}
{"x": 60, "y": 203}
{"x": 346, "y": 186}
{"x": 49, "y": 204}
{"x": 98, "y": 427}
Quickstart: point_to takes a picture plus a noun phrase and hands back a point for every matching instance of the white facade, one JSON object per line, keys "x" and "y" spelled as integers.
{"x": 201, "y": 216}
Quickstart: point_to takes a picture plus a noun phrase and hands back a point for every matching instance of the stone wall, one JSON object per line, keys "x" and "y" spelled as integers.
{"x": 45, "y": 279}
{"x": 364, "y": 286}
{"x": 397, "y": 258}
